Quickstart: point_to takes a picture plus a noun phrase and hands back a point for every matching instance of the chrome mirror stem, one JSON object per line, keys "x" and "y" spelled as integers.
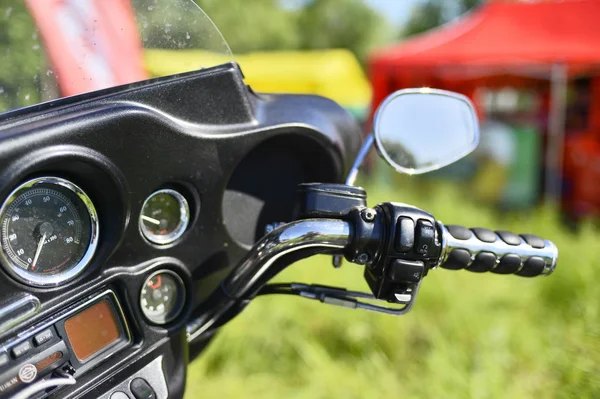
{"x": 360, "y": 159}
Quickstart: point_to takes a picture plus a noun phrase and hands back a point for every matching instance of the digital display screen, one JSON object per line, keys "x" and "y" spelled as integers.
{"x": 93, "y": 329}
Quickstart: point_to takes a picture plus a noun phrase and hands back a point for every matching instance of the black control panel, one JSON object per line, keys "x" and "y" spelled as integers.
{"x": 79, "y": 336}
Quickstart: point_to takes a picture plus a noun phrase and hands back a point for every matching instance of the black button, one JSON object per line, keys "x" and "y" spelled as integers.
{"x": 43, "y": 337}
{"x": 534, "y": 241}
{"x": 141, "y": 389}
{"x": 484, "y": 235}
{"x": 509, "y": 238}
{"x": 21, "y": 349}
{"x": 457, "y": 259}
{"x": 459, "y": 232}
{"x": 402, "y": 270}
{"x": 483, "y": 262}
{"x": 405, "y": 234}
{"x": 532, "y": 267}
{"x": 508, "y": 264}
{"x": 425, "y": 237}
{"x": 4, "y": 359}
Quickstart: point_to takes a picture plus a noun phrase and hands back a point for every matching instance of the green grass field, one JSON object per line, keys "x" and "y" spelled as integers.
{"x": 468, "y": 336}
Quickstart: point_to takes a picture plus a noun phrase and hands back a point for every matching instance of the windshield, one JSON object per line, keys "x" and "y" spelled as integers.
{"x": 58, "y": 48}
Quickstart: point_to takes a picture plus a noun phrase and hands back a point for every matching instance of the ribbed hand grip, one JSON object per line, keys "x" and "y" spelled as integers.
{"x": 481, "y": 250}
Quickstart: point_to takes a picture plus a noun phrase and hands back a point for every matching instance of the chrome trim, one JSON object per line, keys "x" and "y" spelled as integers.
{"x": 360, "y": 159}
{"x": 291, "y": 237}
{"x": 55, "y": 279}
{"x": 499, "y": 248}
{"x": 441, "y": 229}
{"x": 7, "y": 310}
{"x": 181, "y": 289}
{"x": 184, "y": 219}
{"x": 424, "y": 91}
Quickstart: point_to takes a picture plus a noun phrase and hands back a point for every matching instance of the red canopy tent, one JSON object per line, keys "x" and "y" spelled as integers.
{"x": 499, "y": 44}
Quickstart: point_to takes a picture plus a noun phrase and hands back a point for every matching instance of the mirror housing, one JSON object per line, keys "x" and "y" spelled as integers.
{"x": 421, "y": 130}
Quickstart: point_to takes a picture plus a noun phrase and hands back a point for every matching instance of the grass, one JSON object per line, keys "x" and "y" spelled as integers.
{"x": 468, "y": 336}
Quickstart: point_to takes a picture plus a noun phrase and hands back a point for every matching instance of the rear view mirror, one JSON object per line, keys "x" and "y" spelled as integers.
{"x": 421, "y": 130}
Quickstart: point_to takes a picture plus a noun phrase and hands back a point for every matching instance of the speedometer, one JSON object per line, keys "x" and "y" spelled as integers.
{"x": 49, "y": 231}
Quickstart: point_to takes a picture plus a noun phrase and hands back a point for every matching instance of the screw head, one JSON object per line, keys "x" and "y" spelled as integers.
{"x": 368, "y": 214}
{"x": 362, "y": 259}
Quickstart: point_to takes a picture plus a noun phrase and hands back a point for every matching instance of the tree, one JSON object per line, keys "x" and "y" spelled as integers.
{"x": 347, "y": 24}
{"x": 21, "y": 57}
{"x": 424, "y": 17}
{"x": 254, "y": 25}
{"x": 433, "y": 13}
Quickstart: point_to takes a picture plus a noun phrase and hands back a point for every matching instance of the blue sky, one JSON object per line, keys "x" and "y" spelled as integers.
{"x": 396, "y": 10}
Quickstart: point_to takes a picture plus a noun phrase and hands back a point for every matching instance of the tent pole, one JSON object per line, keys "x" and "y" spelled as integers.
{"x": 556, "y": 133}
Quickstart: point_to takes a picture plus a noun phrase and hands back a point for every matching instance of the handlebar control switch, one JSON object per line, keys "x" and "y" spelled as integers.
{"x": 406, "y": 271}
{"x": 425, "y": 238}
{"x": 409, "y": 247}
{"x": 405, "y": 234}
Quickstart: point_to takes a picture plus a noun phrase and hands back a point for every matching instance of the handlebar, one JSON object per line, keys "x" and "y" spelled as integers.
{"x": 260, "y": 264}
{"x": 397, "y": 243}
{"x": 481, "y": 250}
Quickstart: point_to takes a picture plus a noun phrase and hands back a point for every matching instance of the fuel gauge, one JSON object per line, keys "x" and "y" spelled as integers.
{"x": 162, "y": 297}
{"x": 165, "y": 216}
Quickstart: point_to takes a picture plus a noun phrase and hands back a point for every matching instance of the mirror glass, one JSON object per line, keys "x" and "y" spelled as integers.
{"x": 420, "y": 130}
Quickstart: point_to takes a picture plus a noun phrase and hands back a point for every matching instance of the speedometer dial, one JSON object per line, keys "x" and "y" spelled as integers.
{"x": 49, "y": 230}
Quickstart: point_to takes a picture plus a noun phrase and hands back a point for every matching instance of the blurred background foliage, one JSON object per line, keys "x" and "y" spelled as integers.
{"x": 21, "y": 56}
{"x": 432, "y": 13}
{"x": 260, "y": 25}
{"x": 469, "y": 335}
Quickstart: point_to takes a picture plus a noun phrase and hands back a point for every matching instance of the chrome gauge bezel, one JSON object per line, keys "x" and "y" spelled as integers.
{"x": 180, "y": 303}
{"x": 37, "y": 280}
{"x": 182, "y": 225}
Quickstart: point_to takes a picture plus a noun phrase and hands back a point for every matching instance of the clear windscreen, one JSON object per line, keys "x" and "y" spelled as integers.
{"x": 58, "y": 48}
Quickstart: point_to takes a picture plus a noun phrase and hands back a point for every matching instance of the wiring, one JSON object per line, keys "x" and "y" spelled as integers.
{"x": 45, "y": 384}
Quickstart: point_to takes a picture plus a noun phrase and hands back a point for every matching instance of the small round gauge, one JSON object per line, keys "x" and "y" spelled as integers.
{"x": 165, "y": 216}
{"x": 162, "y": 297}
{"x": 49, "y": 231}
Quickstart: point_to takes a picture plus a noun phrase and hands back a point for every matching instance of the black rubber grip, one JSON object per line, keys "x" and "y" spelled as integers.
{"x": 481, "y": 250}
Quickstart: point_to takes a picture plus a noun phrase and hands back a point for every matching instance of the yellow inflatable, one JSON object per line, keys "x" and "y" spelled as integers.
{"x": 335, "y": 74}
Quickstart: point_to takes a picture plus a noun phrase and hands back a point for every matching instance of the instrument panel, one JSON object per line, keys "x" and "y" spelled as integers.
{"x": 152, "y": 193}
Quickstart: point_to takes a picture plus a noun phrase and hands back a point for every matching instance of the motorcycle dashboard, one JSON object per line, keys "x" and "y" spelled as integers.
{"x": 123, "y": 209}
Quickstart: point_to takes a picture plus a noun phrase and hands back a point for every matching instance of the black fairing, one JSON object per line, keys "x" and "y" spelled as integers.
{"x": 236, "y": 155}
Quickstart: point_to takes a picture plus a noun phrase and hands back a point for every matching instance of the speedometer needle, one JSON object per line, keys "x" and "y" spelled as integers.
{"x": 38, "y": 251}
{"x": 151, "y": 220}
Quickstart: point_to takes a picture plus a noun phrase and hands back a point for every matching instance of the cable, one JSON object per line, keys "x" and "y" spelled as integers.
{"x": 44, "y": 384}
